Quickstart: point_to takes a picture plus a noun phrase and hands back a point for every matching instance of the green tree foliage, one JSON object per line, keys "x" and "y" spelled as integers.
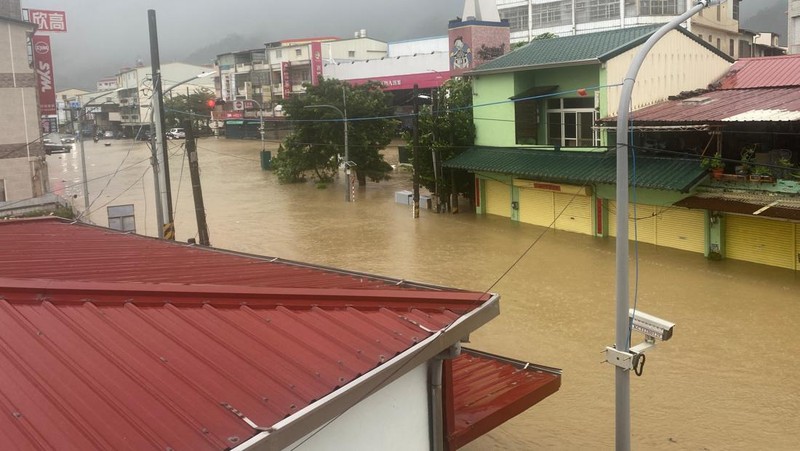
{"x": 445, "y": 130}
{"x": 317, "y": 141}
{"x": 178, "y": 108}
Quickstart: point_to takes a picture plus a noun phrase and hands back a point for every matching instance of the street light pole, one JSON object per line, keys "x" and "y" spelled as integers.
{"x": 347, "y": 163}
{"x": 623, "y": 327}
{"x": 85, "y": 182}
{"x": 261, "y": 125}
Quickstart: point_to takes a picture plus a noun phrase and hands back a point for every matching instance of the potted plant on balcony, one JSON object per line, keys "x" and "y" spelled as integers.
{"x": 761, "y": 174}
{"x": 715, "y": 165}
{"x": 748, "y": 158}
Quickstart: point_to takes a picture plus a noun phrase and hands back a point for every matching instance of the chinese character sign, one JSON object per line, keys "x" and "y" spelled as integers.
{"x": 316, "y": 62}
{"x": 43, "y": 67}
{"x": 287, "y": 81}
{"x": 48, "y": 20}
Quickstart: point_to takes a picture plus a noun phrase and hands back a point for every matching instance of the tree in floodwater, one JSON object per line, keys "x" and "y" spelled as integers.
{"x": 445, "y": 130}
{"x": 317, "y": 142}
{"x": 194, "y": 106}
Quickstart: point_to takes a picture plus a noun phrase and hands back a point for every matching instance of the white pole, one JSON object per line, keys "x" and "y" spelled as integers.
{"x": 622, "y": 376}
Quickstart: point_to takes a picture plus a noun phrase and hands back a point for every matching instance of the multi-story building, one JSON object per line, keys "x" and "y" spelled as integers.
{"x": 794, "y": 27}
{"x": 272, "y": 74}
{"x": 23, "y": 169}
{"x": 106, "y": 84}
{"x": 718, "y": 25}
{"x": 135, "y": 90}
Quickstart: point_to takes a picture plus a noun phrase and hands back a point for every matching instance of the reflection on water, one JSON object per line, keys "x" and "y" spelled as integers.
{"x": 725, "y": 381}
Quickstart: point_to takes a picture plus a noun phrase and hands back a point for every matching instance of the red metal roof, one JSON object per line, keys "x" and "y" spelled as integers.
{"x": 489, "y": 389}
{"x": 108, "y": 341}
{"x": 766, "y": 72}
{"x": 745, "y": 105}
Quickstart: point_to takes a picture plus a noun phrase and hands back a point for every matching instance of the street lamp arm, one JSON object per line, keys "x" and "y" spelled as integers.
{"x": 201, "y": 75}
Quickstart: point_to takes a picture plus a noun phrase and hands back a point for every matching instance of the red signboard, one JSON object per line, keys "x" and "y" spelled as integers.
{"x": 46, "y": 20}
{"x": 316, "y": 62}
{"x": 287, "y": 81}
{"x": 424, "y": 80}
{"x": 43, "y": 66}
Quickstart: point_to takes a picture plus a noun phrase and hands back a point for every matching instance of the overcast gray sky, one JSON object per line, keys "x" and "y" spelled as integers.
{"x": 106, "y": 35}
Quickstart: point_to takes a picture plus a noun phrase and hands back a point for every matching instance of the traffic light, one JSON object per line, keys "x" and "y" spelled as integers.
{"x": 215, "y": 102}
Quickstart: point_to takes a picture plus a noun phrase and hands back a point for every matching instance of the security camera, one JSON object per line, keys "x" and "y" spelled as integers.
{"x": 650, "y": 325}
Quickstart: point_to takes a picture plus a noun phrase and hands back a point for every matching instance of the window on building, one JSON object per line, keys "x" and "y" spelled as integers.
{"x": 719, "y": 43}
{"x": 2, "y": 190}
{"x": 736, "y": 9}
{"x": 730, "y": 47}
{"x": 570, "y": 122}
{"x": 596, "y": 10}
{"x": 552, "y": 14}
{"x": 351, "y": 53}
{"x": 700, "y": 36}
{"x": 298, "y": 52}
{"x": 278, "y": 54}
{"x": 526, "y": 121}
{"x": 709, "y": 39}
{"x": 662, "y": 7}
{"x": 719, "y": 13}
{"x": 517, "y": 18}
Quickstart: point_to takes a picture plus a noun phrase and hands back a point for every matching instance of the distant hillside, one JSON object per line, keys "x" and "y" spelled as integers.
{"x": 772, "y": 18}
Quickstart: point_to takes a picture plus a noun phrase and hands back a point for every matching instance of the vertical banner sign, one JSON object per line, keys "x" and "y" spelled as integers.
{"x": 55, "y": 21}
{"x": 287, "y": 82}
{"x": 316, "y": 63}
{"x": 43, "y": 66}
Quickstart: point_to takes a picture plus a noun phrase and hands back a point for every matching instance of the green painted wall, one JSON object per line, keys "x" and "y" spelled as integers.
{"x": 494, "y": 112}
{"x": 643, "y": 196}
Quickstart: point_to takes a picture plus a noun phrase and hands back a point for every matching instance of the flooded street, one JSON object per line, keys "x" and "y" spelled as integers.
{"x": 726, "y": 381}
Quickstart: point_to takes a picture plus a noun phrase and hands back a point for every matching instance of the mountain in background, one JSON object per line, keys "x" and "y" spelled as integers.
{"x": 771, "y": 18}
{"x": 231, "y": 43}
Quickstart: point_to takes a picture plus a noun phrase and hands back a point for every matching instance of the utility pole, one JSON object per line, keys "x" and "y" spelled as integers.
{"x": 158, "y": 118}
{"x": 415, "y": 156}
{"x": 197, "y": 191}
{"x": 623, "y": 324}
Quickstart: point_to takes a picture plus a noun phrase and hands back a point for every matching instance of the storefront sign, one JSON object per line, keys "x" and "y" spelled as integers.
{"x": 316, "y": 62}
{"x": 287, "y": 81}
{"x": 554, "y": 187}
{"x": 43, "y": 67}
{"x": 46, "y": 20}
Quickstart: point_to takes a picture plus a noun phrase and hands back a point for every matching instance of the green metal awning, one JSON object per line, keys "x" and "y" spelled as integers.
{"x": 672, "y": 174}
{"x": 234, "y": 122}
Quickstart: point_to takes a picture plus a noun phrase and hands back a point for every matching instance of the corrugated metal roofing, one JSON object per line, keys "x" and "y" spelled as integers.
{"x": 511, "y": 386}
{"x": 766, "y": 72}
{"x": 569, "y": 49}
{"x": 745, "y": 105}
{"x": 56, "y": 249}
{"x": 100, "y": 350}
{"x": 745, "y": 203}
{"x": 579, "y": 168}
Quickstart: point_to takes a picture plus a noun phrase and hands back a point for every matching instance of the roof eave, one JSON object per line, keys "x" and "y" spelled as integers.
{"x": 534, "y": 67}
{"x": 286, "y": 432}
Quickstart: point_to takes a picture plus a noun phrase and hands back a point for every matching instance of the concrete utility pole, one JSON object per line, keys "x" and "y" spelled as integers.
{"x": 197, "y": 191}
{"x": 160, "y": 134}
{"x": 623, "y": 325}
{"x": 415, "y": 155}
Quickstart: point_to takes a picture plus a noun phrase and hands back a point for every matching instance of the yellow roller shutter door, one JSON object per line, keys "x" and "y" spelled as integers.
{"x": 681, "y": 228}
{"x": 644, "y": 221}
{"x": 498, "y": 198}
{"x": 536, "y": 207}
{"x": 797, "y": 247}
{"x": 575, "y": 213}
{"x": 760, "y": 240}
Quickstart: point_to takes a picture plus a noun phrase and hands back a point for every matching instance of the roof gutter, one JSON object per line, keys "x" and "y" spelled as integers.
{"x": 317, "y": 415}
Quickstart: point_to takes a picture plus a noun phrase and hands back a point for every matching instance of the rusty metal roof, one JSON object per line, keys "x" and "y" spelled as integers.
{"x": 99, "y": 349}
{"x": 723, "y": 106}
{"x": 765, "y": 72}
{"x": 778, "y": 206}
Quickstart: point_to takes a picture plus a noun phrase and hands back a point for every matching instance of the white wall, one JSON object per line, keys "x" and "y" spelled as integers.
{"x": 794, "y": 27}
{"x": 17, "y": 175}
{"x": 393, "y": 419}
{"x": 676, "y": 63}
{"x": 384, "y": 67}
{"x": 406, "y": 48}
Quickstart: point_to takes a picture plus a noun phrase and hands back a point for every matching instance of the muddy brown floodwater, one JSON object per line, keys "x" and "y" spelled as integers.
{"x": 728, "y": 380}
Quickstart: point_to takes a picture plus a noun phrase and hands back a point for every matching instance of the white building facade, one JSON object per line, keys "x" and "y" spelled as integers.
{"x": 794, "y": 27}
{"x": 718, "y": 25}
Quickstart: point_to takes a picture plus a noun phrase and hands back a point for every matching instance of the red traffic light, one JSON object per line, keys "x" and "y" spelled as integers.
{"x": 211, "y": 103}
